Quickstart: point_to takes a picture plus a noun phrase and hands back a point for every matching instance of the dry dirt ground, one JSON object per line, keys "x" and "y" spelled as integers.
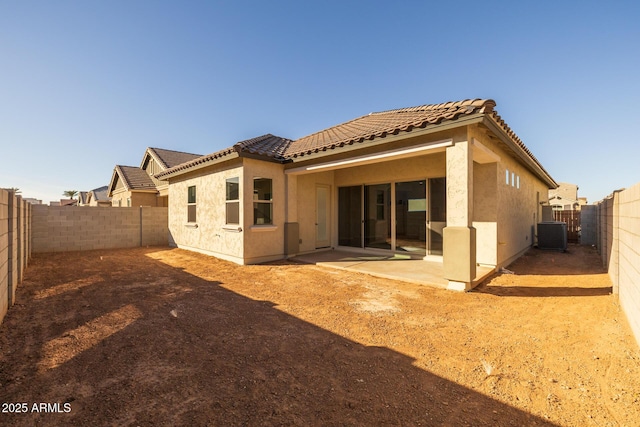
{"x": 158, "y": 336}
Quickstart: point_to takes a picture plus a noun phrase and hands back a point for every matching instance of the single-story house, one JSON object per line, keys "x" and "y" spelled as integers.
{"x": 447, "y": 182}
{"x": 137, "y": 186}
{"x": 99, "y": 197}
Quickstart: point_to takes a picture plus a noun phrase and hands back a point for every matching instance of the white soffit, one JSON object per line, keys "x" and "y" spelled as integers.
{"x": 482, "y": 154}
{"x": 432, "y": 147}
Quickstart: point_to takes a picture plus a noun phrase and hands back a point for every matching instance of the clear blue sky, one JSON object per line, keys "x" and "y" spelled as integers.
{"x": 86, "y": 85}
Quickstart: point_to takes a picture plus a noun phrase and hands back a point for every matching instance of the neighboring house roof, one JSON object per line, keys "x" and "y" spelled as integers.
{"x": 168, "y": 158}
{"x": 68, "y": 202}
{"x": 100, "y": 194}
{"x": 371, "y": 127}
{"x": 133, "y": 178}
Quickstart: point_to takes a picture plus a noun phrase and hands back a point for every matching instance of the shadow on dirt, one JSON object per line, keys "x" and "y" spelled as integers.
{"x": 532, "y": 291}
{"x": 199, "y": 354}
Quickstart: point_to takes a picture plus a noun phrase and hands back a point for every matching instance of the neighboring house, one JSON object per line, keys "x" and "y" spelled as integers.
{"x": 67, "y": 202}
{"x": 565, "y": 197}
{"x": 448, "y": 182}
{"x": 137, "y": 186}
{"x": 82, "y": 198}
{"x": 99, "y": 197}
{"x": 32, "y": 200}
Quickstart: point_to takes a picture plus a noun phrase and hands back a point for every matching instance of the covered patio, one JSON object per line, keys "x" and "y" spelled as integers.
{"x": 413, "y": 269}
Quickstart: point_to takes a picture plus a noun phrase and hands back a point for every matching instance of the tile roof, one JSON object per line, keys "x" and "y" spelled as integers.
{"x": 363, "y": 129}
{"x": 170, "y": 158}
{"x": 101, "y": 194}
{"x": 135, "y": 178}
{"x": 267, "y": 146}
{"x": 390, "y": 122}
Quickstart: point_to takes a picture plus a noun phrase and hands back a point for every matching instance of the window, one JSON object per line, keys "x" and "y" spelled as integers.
{"x": 233, "y": 201}
{"x": 262, "y": 201}
{"x": 191, "y": 204}
{"x": 129, "y": 202}
{"x": 507, "y": 176}
{"x": 518, "y": 182}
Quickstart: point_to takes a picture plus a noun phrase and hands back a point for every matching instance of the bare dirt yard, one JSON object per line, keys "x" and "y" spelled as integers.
{"x": 158, "y": 336}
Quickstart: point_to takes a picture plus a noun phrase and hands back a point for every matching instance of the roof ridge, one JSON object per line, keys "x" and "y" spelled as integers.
{"x": 443, "y": 105}
{"x": 173, "y": 151}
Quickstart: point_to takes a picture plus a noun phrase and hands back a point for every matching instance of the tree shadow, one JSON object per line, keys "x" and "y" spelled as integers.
{"x": 200, "y": 354}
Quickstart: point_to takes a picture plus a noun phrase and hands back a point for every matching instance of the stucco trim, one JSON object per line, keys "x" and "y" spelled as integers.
{"x": 372, "y": 158}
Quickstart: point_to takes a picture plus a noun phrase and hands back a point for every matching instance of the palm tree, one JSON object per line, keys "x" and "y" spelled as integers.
{"x": 14, "y": 189}
{"x": 71, "y": 193}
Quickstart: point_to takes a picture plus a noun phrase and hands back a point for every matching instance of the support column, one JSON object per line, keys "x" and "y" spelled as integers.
{"x": 459, "y": 251}
{"x": 291, "y": 226}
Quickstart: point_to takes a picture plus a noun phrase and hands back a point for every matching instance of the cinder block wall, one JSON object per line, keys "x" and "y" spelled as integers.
{"x": 15, "y": 248}
{"x": 628, "y": 243}
{"x": 588, "y": 225}
{"x": 619, "y": 245}
{"x": 80, "y": 228}
{"x": 4, "y": 253}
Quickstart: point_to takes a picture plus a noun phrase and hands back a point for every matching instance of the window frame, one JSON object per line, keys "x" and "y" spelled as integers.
{"x": 229, "y": 203}
{"x": 191, "y": 205}
{"x": 258, "y": 201}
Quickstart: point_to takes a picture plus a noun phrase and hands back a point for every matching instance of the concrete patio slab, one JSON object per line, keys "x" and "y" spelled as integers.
{"x": 393, "y": 266}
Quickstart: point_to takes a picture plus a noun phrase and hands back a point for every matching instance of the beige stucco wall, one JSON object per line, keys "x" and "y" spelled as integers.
{"x": 518, "y": 210}
{"x": 485, "y": 212}
{"x": 211, "y": 236}
{"x": 244, "y": 243}
{"x": 306, "y": 208}
{"x": 263, "y": 242}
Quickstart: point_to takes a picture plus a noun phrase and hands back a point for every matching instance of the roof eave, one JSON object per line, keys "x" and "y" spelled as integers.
{"x": 533, "y": 165}
{"x": 150, "y": 152}
{"x": 263, "y": 157}
{"x": 167, "y": 175}
{"x": 389, "y": 138}
{"x": 112, "y": 183}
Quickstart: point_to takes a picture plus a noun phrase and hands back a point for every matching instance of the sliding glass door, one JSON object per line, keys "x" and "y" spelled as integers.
{"x": 401, "y": 216}
{"x": 350, "y": 216}
{"x": 377, "y": 216}
{"x": 411, "y": 217}
{"x": 437, "y": 215}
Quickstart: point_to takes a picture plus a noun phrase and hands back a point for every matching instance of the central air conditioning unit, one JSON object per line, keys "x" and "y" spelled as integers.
{"x": 552, "y": 235}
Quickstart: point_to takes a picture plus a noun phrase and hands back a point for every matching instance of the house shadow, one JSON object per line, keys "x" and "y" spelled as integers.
{"x": 195, "y": 353}
{"x": 547, "y": 291}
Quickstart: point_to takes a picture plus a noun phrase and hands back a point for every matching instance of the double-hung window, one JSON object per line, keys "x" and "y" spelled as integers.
{"x": 262, "y": 201}
{"x": 191, "y": 204}
{"x": 232, "y": 207}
